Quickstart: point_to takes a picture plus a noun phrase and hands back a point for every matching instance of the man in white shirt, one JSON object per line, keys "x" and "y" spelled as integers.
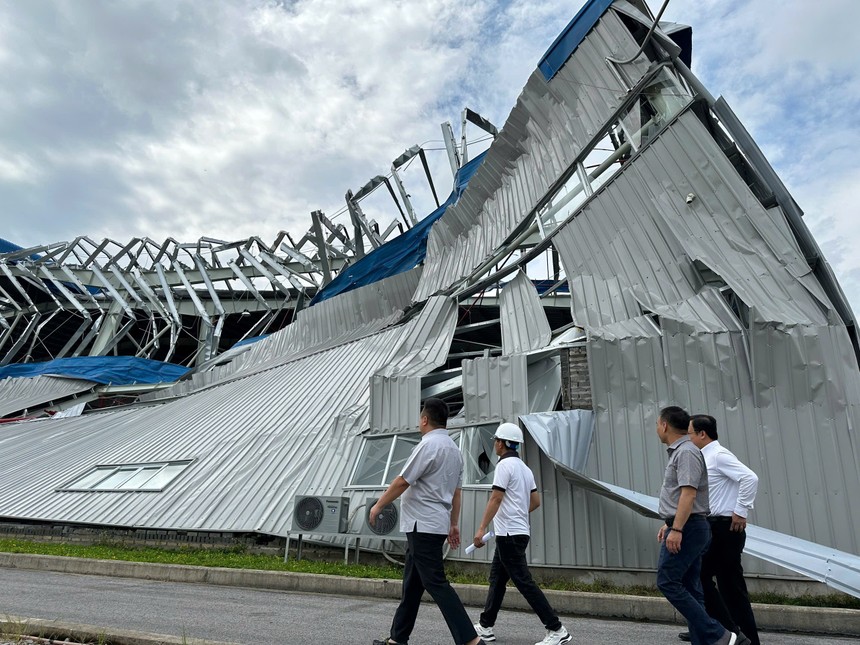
{"x": 514, "y": 496}
{"x": 732, "y": 488}
{"x": 429, "y": 513}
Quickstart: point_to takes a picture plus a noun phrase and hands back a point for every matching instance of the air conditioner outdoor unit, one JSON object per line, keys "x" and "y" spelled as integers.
{"x": 313, "y": 514}
{"x": 387, "y": 526}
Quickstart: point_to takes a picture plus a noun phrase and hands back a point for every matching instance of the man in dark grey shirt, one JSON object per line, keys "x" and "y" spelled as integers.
{"x": 686, "y": 534}
{"x": 430, "y": 513}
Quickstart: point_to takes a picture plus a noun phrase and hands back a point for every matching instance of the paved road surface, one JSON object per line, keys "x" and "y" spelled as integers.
{"x": 256, "y": 616}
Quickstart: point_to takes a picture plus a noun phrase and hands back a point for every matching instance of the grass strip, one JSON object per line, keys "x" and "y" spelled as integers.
{"x": 238, "y": 558}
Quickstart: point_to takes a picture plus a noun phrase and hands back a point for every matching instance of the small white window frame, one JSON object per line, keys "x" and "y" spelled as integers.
{"x": 110, "y": 470}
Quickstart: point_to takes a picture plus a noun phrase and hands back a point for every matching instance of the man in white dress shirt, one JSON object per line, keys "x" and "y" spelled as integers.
{"x": 732, "y": 489}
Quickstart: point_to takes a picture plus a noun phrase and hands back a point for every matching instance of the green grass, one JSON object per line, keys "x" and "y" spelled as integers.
{"x": 239, "y": 558}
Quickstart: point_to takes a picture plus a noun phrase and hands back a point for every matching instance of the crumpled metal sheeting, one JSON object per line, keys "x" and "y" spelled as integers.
{"x": 648, "y": 238}
{"x": 598, "y": 301}
{"x": 19, "y": 394}
{"x": 332, "y": 322}
{"x": 495, "y": 388}
{"x": 548, "y": 127}
{"x": 255, "y": 441}
{"x": 564, "y": 435}
{"x": 351, "y": 316}
{"x": 716, "y": 227}
{"x": 523, "y": 321}
{"x": 395, "y": 389}
{"x": 789, "y": 420}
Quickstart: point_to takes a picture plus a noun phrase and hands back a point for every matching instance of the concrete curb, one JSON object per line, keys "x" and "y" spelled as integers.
{"x": 57, "y": 630}
{"x": 813, "y": 620}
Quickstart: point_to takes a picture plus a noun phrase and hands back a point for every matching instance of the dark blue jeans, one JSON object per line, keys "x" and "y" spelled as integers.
{"x": 422, "y": 570}
{"x": 678, "y": 577}
{"x": 509, "y": 563}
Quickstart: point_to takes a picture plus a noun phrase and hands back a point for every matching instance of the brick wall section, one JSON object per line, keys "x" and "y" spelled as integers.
{"x": 575, "y": 383}
{"x": 71, "y": 534}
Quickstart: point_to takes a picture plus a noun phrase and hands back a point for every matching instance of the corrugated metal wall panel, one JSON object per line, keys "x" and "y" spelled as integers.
{"x": 495, "y": 389}
{"x": 393, "y": 402}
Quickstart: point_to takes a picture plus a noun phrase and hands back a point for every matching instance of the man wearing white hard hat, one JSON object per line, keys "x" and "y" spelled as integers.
{"x": 514, "y": 496}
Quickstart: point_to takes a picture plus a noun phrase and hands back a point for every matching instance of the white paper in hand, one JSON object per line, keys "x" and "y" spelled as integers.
{"x": 472, "y": 547}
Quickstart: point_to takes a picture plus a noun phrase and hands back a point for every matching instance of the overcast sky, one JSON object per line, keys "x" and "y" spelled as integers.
{"x": 185, "y": 118}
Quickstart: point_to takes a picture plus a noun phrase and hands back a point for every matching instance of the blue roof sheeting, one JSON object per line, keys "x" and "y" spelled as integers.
{"x": 568, "y": 40}
{"x": 113, "y": 370}
{"x": 401, "y": 254}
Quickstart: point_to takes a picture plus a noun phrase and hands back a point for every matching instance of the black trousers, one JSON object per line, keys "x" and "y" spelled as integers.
{"x": 424, "y": 570}
{"x": 728, "y": 600}
{"x": 509, "y": 563}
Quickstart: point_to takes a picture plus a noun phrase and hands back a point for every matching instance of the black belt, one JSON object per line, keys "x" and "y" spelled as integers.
{"x": 671, "y": 520}
{"x": 715, "y": 519}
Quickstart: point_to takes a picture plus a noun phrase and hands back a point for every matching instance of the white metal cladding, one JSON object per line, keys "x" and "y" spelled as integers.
{"x": 495, "y": 388}
{"x": 394, "y": 403}
{"x": 546, "y": 130}
{"x": 255, "y": 442}
{"x": 783, "y": 384}
{"x": 17, "y": 394}
{"x": 523, "y": 320}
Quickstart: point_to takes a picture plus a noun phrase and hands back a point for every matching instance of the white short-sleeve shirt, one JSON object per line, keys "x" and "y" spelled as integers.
{"x": 517, "y": 481}
{"x": 434, "y": 471}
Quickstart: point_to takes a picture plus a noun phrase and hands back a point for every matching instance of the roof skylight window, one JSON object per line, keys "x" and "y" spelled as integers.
{"x": 151, "y": 477}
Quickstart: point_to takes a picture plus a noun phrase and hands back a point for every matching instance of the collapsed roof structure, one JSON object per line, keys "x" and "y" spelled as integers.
{"x": 675, "y": 268}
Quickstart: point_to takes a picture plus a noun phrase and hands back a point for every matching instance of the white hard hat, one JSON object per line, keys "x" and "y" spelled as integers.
{"x": 509, "y": 432}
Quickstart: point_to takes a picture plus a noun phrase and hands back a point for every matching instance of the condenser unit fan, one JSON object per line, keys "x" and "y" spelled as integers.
{"x": 387, "y": 522}
{"x": 309, "y": 513}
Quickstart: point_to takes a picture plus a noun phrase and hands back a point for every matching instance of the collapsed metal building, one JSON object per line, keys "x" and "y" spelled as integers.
{"x": 674, "y": 268}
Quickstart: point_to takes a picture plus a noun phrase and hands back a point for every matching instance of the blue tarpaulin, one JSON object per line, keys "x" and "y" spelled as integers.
{"x": 401, "y": 254}
{"x": 568, "y": 40}
{"x": 7, "y": 247}
{"x": 113, "y": 370}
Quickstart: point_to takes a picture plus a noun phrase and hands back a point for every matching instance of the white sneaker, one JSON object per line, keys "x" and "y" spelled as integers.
{"x": 556, "y": 637}
{"x": 485, "y": 632}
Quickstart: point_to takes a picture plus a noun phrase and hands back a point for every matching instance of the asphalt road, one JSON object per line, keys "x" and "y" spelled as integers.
{"x": 254, "y": 616}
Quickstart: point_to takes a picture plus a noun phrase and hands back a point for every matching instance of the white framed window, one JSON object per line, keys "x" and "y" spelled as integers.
{"x": 152, "y": 478}
{"x": 381, "y": 459}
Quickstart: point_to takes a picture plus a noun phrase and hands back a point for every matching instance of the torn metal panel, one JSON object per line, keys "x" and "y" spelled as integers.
{"x": 839, "y": 570}
{"x": 19, "y": 394}
{"x": 495, "y": 389}
{"x": 549, "y": 126}
{"x": 523, "y": 320}
{"x": 564, "y": 435}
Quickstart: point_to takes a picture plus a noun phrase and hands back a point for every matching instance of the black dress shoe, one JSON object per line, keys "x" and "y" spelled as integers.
{"x": 684, "y": 636}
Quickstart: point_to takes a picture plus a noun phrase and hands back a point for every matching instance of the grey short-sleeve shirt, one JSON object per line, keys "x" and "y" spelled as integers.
{"x": 686, "y": 467}
{"x": 434, "y": 471}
